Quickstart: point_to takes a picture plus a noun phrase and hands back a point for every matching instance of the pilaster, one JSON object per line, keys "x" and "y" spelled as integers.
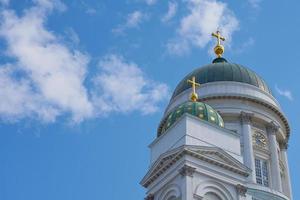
{"x": 272, "y": 129}
{"x": 187, "y": 173}
{"x": 246, "y": 119}
{"x": 288, "y": 186}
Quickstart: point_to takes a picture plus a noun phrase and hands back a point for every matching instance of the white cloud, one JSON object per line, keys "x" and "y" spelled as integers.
{"x": 244, "y": 46}
{"x": 19, "y": 100}
{"x": 254, "y": 3}
{"x": 133, "y": 20}
{"x": 89, "y": 9}
{"x": 49, "y": 5}
{"x": 285, "y": 93}
{"x": 55, "y": 73}
{"x": 123, "y": 87}
{"x": 4, "y": 2}
{"x": 72, "y": 36}
{"x": 46, "y": 79}
{"x": 203, "y": 18}
{"x": 172, "y": 9}
{"x": 150, "y": 2}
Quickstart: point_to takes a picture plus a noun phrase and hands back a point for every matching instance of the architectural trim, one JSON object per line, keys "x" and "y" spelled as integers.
{"x": 212, "y": 155}
{"x": 272, "y": 127}
{"x": 149, "y": 197}
{"x": 246, "y": 118}
{"x": 214, "y": 187}
{"x": 187, "y": 170}
{"x": 241, "y": 190}
{"x": 284, "y": 145}
{"x": 265, "y": 104}
{"x": 263, "y": 194}
{"x": 172, "y": 190}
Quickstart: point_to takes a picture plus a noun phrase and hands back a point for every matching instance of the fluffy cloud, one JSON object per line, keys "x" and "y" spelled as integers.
{"x": 133, "y": 20}
{"x": 172, "y": 9}
{"x": 45, "y": 79}
{"x": 19, "y": 100}
{"x": 203, "y": 18}
{"x": 285, "y": 93}
{"x": 123, "y": 87}
{"x": 55, "y": 73}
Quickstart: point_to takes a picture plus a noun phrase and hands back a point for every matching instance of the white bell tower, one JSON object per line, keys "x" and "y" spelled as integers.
{"x": 231, "y": 144}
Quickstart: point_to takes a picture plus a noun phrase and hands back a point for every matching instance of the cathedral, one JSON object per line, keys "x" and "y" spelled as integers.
{"x": 228, "y": 143}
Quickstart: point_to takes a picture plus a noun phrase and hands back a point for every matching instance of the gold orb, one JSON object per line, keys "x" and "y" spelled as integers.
{"x": 219, "y": 50}
{"x": 194, "y": 97}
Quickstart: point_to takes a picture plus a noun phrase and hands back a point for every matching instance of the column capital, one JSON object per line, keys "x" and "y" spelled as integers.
{"x": 246, "y": 118}
{"x": 241, "y": 190}
{"x": 283, "y": 145}
{"x": 187, "y": 170}
{"x": 272, "y": 127}
{"x": 149, "y": 197}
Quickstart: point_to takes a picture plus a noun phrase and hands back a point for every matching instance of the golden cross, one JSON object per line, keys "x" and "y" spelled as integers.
{"x": 194, "y": 84}
{"x": 218, "y": 36}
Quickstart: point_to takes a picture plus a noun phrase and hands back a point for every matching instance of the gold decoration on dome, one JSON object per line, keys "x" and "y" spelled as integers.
{"x": 219, "y": 48}
{"x": 194, "y": 84}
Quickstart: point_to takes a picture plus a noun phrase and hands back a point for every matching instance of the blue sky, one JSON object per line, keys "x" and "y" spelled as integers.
{"x": 84, "y": 83}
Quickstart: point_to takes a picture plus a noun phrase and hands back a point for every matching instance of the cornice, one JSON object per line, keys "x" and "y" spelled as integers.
{"x": 225, "y": 161}
{"x": 258, "y": 101}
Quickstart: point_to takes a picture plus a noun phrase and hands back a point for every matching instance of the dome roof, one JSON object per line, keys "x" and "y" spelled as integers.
{"x": 221, "y": 70}
{"x": 198, "y": 109}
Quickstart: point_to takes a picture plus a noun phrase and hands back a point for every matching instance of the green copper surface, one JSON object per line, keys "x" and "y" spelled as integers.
{"x": 221, "y": 70}
{"x": 198, "y": 109}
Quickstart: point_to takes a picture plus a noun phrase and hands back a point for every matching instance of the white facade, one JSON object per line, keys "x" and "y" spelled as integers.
{"x": 247, "y": 159}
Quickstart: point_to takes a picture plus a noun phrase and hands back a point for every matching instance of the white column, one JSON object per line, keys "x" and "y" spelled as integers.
{"x": 187, "y": 183}
{"x": 272, "y": 129}
{"x": 248, "y": 145}
{"x": 288, "y": 186}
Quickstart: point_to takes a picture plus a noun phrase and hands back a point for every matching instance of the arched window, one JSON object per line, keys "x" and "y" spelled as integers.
{"x": 211, "y": 196}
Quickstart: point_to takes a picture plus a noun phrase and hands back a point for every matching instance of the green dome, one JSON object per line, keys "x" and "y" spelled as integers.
{"x": 221, "y": 70}
{"x": 198, "y": 109}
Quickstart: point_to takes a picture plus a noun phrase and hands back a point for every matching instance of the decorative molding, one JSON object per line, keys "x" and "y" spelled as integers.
{"x": 241, "y": 190}
{"x": 213, "y": 155}
{"x": 187, "y": 170}
{"x": 282, "y": 166}
{"x": 246, "y": 118}
{"x": 259, "y": 140}
{"x": 212, "y": 186}
{"x": 197, "y": 197}
{"x": 265, "y": 104}
{"x": 272, "y": 128}
{"x": 284, "y": 145}
{"x": 262, "y": 152}
{"x": 149, "y": 197}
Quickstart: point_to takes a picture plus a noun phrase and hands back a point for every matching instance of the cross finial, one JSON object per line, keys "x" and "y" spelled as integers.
{"x": 219, "y": 48}
{"x": 194, "y": 84}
